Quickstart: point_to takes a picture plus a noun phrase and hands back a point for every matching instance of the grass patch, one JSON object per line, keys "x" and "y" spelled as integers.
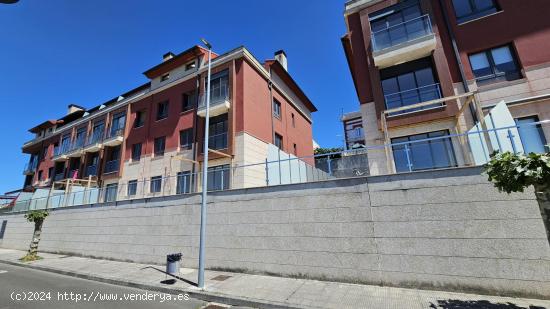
{"x": 30, "y": 258}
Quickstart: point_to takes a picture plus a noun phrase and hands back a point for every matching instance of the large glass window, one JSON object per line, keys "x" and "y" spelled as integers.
{"x": 136, "y": 152}
{"x": 80, "y": 138}
{"x": 409, "y": 84}
{"x": 495, "y": 64}
{"x": 184, "y": 182}
{"x": 220, "y": 87}
{"x": 531, "y": 135}
{"x": 277, "y": 109}
{"x": 140, "y": 119}
{"x": 117, "y": 126}
{"x": 218, "y": 177}
{"x": 188, "y": 101}
{"x": 156, "y": 184}
{"x": 217, "y": 136}
{"x": 279, "y": 141}
{"x": 97, "y": 132}
{"x": 466, "y": 10}
{"x": 414, "y": 153}
{"x": 110, "y": 192}
{"x": 354, "y": 133}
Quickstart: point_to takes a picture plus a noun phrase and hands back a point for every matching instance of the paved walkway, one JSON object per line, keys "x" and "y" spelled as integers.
{"x": 265, "y": 291}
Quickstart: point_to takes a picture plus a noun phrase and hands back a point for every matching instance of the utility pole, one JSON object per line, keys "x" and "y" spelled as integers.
{"x": 205, "y": 172}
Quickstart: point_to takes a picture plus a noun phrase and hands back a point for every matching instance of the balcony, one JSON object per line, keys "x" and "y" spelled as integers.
{"x": 59, "y": 176}
{"x": 94, "y": 142}
{"x": 30, "y": 167}
{"x": 356, "y": 134}
{"x": 407, "y": 41}
{"x": 111, "y": 167}
{"x": 219, "y": 102}
{"x": 400, "y": 100}
{"x": 114, "y": 138}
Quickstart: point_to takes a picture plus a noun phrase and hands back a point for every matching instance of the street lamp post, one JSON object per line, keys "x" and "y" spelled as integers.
{"x": 204, "y": 172}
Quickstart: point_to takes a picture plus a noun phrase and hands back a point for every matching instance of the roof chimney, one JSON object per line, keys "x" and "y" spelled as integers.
{"x": 74, "y": 108}
{"x": 280, "y": 56}
{"x": 167, "y": 56}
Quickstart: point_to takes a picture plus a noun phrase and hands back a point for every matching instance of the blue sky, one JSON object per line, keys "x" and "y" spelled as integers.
{"x": 57, "y": 52}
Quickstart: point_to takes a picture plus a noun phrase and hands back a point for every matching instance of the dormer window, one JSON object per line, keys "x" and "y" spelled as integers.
{"x": 190, "y": 66}
{"x": 165, "y": 77}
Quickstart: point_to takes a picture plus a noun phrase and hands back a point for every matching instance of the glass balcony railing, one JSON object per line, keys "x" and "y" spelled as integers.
{"x": 30, "y": 167}
{"x": 91, "y": 170}
{"x": 401, "y": 33}
{"x": 111, "y": 166}
{"x": 218, "y": 95}
{"x": 115, "y": 132}
{"x": 95, "y": 138}
{"x": 414, "y": 96}
{"x": 59, "y": 176}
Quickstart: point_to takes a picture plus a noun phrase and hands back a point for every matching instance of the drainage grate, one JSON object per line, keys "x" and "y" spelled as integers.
{"x": 221, "y": 278}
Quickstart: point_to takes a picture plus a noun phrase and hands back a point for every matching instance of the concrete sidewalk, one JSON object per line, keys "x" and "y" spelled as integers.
{"x": 262, "y": 291}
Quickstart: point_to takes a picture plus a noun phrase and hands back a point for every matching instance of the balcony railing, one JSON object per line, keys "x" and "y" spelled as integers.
{"x": 215, "y": 142}
{"x": 95, "y": 138}
{"x": 59, "y": 176}
{"x": 30, "y": 167}
{"x": 91, "y": 170}
{"x": 217, "y": 96}
{"x": 355, "y": 134}
{"x": 111, "y": 166}
{"x": 61, "y": 150}
{"x": 115, "y": 132}
{"x": 414, "y": 96}
{"x": 401, "y": 33}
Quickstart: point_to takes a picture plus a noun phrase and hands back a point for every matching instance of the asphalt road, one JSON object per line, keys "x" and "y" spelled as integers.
{"x": 28, "y": 288}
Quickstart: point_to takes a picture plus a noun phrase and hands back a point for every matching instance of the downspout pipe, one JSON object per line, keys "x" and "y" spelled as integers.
{"x": 457, "y": 55}
{"x": 270, "y": 86}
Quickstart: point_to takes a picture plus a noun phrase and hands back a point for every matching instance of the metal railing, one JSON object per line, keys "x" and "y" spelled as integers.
{"x": 434, "y": 150}
{"x": 111, "y": 166}
{"x": 114, "y": 133}
{"x": 413, "y": 96}
{"x": 401, "y": 33}
{"x": 91, "y": 170}
{"x": 59, "y": 176}
{"x": 30, "y": 167}
{"x": 96, "y": 137}
{"x": 217, "y": 96}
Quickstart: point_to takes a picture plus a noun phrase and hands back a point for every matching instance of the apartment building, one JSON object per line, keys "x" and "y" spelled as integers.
{"x": 149, "y": 139}
{"x": 431, "y": 68}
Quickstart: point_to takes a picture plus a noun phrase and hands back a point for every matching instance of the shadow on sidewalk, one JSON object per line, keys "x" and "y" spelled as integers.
{"x": 476, "y": 304}
{"x": 171, "y": 281}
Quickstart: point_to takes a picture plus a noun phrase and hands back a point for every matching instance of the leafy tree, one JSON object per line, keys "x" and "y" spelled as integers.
{"x": 319, "y": 151}
{"x": 514, "y": 172}
{"x": 37, "y": 217}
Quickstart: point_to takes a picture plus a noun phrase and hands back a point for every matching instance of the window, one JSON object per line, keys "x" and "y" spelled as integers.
{"x": 293, "y": 120}
{"x": 50, "y": 173}
{"x": 466, "y": 10}
{"x": 136, "y": 152}
{"x": 279, "y": 141}
{"x": 112, "y": 163}
{"x": 190, "y": 65}
{"x": 165, "y": 77}
{"x": 497, "y": 64}
{"x": 97, "y": 132}
{"x": 354, "y": 133}
{"x": 220, "y": 87}
{"x": 277, "y": 109}
{"x": 188, "y": 101}
{"x": 410, "y": 83}
{"x": 110, "y": 192}
{"x": 3, "y": 228}
{"x": 162, "y": 110}
{"x": 414, "y": 154}
{"x": 186, "y": 138}
{"x": 295, "y": 149}
{"x": 44, "y": 153}
{"x": 132, "y": 187}
{"x": 160, "y": 143}
{"x": 531, "y": 135}
{"x": 80, "y": 137}
{"x": 117, "y": 125}
{"x": 217, "y": 132}
{"x": 184, "y": 182}
{"x": 140, "y": 119}
{"x": 39, "y": 175}
{"x": 218, "y": 177}
{"x": 156, "y": 184}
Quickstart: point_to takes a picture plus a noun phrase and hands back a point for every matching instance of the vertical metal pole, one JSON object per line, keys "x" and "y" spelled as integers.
{"x": 279, "y": 160}
{"x": 511, "y": 137}
{"x": 266, "y": 173}
{"x": 299, "y": 171}
{"x": 329, "y": 166}
{"x": 204, "y": 177}
{"x": 222, "y": 180}
{"x": 409, "y": 164}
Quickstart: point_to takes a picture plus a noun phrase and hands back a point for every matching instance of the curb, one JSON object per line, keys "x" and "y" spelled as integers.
{"x": 200, "y": 295}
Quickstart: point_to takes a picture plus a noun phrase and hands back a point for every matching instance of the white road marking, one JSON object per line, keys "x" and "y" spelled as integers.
{"x": 3, "y": 271}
